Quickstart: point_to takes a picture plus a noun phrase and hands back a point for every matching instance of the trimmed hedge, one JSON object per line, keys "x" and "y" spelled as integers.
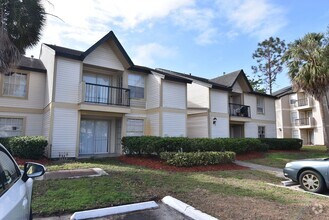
{"x": 197, "y": 158}
{"x": 5, "y": 142}
{"x": 148, "y": 145}
{"x": 28, "y": 147}
{"x": 283, "y": 143}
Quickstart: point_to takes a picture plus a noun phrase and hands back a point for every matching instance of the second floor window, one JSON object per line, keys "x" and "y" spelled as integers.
{"x": 136, "y": 84}
{"x": 260, "y": 105}
{"x": 14, "y": 84}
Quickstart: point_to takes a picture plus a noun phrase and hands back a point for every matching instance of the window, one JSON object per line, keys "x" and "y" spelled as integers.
{"x": 261, "y": 131}
{"x": 11, "y": 127}
{"x": 135, "y": 127}
{"x": 260, "y": 105}
{"x": 9, "y": 173}
{"x": 136, "y": 84}
{"x": 293, "y": 117}
{"x": 295, "y": 133}
{"x": 14, "y": 84}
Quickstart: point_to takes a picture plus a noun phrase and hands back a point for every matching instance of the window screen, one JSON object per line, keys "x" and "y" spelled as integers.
{"x": 135, "y": 127}
{"x": 14, "y": 84}
{"x": 136, "y": 84}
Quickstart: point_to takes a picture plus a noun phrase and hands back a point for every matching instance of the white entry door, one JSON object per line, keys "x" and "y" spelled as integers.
{"x": 94, "y": 137}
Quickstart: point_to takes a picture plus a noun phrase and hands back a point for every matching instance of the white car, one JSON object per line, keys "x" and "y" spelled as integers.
{"x": 16, "y": 187}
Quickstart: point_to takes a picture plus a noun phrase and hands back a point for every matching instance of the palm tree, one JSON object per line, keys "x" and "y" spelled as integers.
{"x": 308, "y": 62}
{"x": 21, "y": 23}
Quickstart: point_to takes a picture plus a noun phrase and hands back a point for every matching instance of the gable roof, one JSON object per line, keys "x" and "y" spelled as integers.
{"x": 31, "y": 64}
{"x": 80, "y": 55}
{"x": 284, "y": 91}
{"x": 230, "y": 79}
{"x": 191, "y": 78}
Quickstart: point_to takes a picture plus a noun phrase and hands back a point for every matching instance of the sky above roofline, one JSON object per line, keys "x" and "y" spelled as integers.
{"x": 202, "y": 37}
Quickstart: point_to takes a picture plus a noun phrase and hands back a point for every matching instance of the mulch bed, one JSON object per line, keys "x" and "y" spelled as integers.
{"x": 43, "y": 161}
{"x": 157, "y": 164}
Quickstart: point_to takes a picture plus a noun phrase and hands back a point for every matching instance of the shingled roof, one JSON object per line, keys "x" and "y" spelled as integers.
{"x": 191, "y": 77}
{"x": 284, "y": 91}
{"x": 228, "y": 79}
{"x": 31, "y": 64}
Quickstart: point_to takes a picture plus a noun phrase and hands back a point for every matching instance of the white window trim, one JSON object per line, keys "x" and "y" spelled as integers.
{"x": 26, "y": 85}
{"x": 144, "y": 86}
{"x": 140, "y": 119}
{"x": 263, "y": 105}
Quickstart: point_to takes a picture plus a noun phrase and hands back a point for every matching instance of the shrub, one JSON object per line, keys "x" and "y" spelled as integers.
{"x": 5, "y": 142}
{"x": 283, "y": 143}
{"x": 155, "y": 145}
{"x": 28, "y": 147}
{"x": 182, "y": 159}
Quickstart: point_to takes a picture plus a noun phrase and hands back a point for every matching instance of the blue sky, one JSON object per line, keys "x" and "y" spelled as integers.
{"x": 205, "y": 38}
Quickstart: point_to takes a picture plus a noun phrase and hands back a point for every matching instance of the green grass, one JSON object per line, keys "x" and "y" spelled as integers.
{"x": 279, "y": 159}
{"x": 128, "y": 184}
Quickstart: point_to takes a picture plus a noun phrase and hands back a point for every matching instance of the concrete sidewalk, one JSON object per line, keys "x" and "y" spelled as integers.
{"x": 276, "y": 171}
{"x": 69, "y": 174}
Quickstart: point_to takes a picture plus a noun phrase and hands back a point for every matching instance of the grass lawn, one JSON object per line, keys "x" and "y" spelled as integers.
{"x": 279, "y": 159}
{"x": 242, "y": 194}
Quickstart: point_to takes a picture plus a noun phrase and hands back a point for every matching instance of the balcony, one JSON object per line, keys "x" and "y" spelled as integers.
{"x": 104, "y": 95}
{"x": 307, "y": 122}
{"x": 304, "y": 103}
{"x": 238, "y": 110}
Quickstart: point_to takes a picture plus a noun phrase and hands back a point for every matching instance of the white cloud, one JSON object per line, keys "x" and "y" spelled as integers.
{"x": 147, "y": 54}
{"x": 254, "y": 17}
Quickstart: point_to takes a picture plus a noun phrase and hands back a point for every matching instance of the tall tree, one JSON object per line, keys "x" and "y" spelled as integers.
{"x": 268, "y": 56}
{"x": 21, "y": 23}
{"x": 256, "y": 84}
{"x": 308, "y": 62}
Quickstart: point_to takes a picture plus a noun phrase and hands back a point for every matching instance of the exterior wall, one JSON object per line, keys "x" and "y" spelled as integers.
{"x": 32, "y": 122}
{"x": 174, "y": 94}
{"x": 153, "y": 124}
{"x": 251, "y": 129}
{"x": 197, "y": 126}
{"x": 47, "y": 56}
{"x": 197, "y": 96}
{"x": 269, "y": 105}
{"x": 218, "y": 101}
{"x": 64, "y": 136}
{"x": 222, "y": 127}
{"x": 46, "y": 124}
{"x": 36, "y": 90}
{"x": 174, "y": 124}
{"x": 104, "y": 56}
{"x": 67, "y": 80}
{"x": 153, "y": 91}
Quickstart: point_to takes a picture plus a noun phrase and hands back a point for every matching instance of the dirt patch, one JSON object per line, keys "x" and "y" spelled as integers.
{"x": 235, "y": 207}
{"x": 157, "y": 164}
{"x": 250, "y": 156}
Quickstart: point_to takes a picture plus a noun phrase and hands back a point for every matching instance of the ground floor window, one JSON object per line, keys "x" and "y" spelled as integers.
{"x": 10, "y": 127}
{"x": 135, "y": 127}
{"x": 261, "y": 131}
{"x": 295, "y": 133}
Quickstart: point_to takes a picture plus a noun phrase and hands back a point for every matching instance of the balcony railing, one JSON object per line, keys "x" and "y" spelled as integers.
{"x": 303, "y": 102}
{"x": 304, "y": 121}
{"x": 239, "y": 110}
{"x": 101, "y": 94}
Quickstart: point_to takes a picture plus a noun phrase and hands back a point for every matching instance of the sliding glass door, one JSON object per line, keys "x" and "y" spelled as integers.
{"x": 94, "y": 137}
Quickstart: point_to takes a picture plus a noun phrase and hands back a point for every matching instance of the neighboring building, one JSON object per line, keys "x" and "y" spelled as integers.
{"x": 227, "y": 106}
{"x": 22, "y": 99}
{"x": 298, "y": 116}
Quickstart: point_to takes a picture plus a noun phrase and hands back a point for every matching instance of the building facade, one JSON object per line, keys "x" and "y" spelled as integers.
{"x": 84, "y": 102}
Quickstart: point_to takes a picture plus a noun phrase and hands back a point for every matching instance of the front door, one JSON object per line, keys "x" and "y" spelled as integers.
{"x": 94, "y": 137}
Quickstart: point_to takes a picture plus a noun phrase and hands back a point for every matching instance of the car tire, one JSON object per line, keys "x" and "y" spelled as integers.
{"x": 311, "y": 181}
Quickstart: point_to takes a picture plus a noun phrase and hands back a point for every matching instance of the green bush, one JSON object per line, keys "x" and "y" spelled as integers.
{"x": 28, "y": 147}
{"x": 5, "y": 142}
{"x": 197, "y": 158}
{"x": 155, "y": 145}
{"x": 283, "y": 143}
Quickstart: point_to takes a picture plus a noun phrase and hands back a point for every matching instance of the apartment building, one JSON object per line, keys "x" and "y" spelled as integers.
{"x": 84, "y": 102}
{"x": 298, "y": 116}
